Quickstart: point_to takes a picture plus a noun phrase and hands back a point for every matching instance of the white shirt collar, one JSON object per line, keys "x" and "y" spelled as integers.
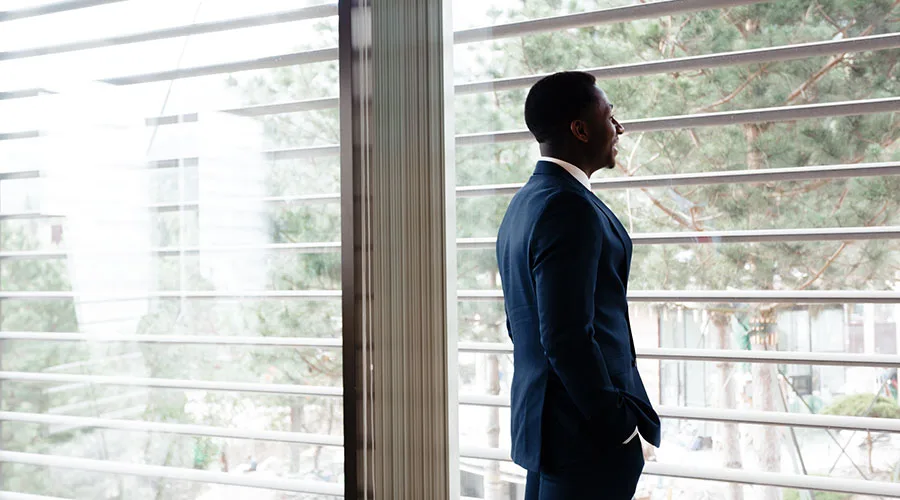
{"x": 576, "y": 172}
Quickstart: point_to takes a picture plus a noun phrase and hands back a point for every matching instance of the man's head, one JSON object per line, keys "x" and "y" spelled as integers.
{"x": 572, "y": 119}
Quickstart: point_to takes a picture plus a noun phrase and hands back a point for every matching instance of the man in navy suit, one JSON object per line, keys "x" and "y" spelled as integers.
{"x": 578, "y": 402}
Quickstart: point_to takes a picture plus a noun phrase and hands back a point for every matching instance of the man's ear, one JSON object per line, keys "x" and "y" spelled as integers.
{"x": 579, "y": 130}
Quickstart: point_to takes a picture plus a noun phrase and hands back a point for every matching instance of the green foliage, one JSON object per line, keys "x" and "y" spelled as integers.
{"x": 205, "y": 452}
{"x": 782, "y": 205}
{"x": 816, "y": 495}
{"x": 864, "y": 405}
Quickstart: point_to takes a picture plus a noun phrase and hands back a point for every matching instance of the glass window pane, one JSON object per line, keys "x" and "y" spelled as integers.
{"x": 170, "y": 255}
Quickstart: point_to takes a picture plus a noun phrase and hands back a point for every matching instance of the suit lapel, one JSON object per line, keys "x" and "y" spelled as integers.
{"x": 620, "y": 231}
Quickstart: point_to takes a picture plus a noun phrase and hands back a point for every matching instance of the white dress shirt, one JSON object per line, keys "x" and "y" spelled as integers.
{"x": 581, "y": 177}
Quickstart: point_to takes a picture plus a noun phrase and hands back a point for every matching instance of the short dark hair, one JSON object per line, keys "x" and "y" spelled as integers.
{"x": 555, "y": 101}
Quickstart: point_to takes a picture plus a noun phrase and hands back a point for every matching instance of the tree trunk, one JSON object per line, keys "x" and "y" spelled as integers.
{"x": 317, "y": 456}
{"x": 731, "y": 436}
{"x": 768, "y": 444}
{"x": 755, "y": 157}
{"x": 296, "y": 426}
{"x": 869, "y": 445}
{"x": 494, "y": 487}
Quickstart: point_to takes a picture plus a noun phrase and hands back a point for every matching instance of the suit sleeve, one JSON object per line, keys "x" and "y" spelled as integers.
{"x": 566, "y": 248}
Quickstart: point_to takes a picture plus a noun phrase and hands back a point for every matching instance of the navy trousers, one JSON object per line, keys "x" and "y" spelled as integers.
{"x": 613, "y": 476}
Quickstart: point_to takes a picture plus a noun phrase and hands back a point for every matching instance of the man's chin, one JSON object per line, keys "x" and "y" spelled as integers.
{"x": 612, "y": 158}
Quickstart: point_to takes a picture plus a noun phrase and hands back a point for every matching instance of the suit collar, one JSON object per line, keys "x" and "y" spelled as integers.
{"x": 557, "y": 171}
{"x": 573, "y": 170}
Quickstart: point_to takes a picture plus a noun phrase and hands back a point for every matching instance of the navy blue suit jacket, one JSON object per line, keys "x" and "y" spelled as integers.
{"x": 564, "y": 260}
